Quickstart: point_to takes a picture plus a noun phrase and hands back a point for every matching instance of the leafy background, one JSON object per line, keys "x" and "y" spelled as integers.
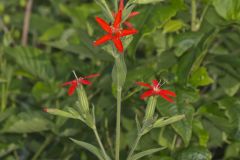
{"x": 199, "y": 57}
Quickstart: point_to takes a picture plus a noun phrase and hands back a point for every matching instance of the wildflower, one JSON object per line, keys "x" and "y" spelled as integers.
{"x": 82, "y": 80}
{"x": 131, "y": 15}
{"x": 114, "y": 31}
{"x": 155, "y": 89}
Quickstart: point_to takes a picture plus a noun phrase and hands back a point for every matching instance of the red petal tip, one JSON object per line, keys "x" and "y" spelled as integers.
{"x": 45, "y": 109}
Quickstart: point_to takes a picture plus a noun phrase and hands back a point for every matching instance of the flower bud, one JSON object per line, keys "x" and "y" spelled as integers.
{"x": 152, "y": 101}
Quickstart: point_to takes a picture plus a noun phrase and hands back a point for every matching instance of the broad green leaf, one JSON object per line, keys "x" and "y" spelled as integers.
{"x": 27, "y": 122}
{"x": 232, "y": 107}
{"x": 229, "y": 84}
{"x": 194, "y": 153}
{"x": 228, "y": 9}
{"x": 200, "y": 77}
{"x": 146, "y": 153}
{"x": 192, "y": 60}
{"x": 180, "y": 107}
{"x": 90, "y": 148}
{"x": 173, "y": 26}
{"x": 53, "y": 32}
{"x": 151, "y": 18}
{"x": 32, "y": 60}
{"x": 200, "y": 131}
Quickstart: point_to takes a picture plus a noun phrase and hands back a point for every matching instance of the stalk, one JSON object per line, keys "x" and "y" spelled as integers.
{"x": 42, "y": 147}
{"x": 194, "y": 16}
{"x": 134, "y": 146}
{"x": 118, "y": 123}
{"x": 100, "y": 143}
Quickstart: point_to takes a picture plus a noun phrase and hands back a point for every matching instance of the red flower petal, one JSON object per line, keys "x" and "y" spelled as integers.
{"x": 133, "y": 14}
{"x": 155, "y": 83}
{"x": 118, "y": 19}
{"x": 126, "y": 32}
{"x": 118, "y": 44}
{"x": 167, "y": 92}
{"x": 84, "y": 81}
{"x": 147, "y": 94}
{"x": 121, "y": 4}
{"x": 103, "y": 24}
{"x": 128, "y": 24}
{"x": 166, "y": 97}
{"x": 144, "y": 85}
{"x": 102, "y": 40}
{"x": 69, "y": 82}
{"x": 72, "y": 89}
{"x": 92, "y": 75}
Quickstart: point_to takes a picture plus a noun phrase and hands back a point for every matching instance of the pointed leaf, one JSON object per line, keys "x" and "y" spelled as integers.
{"x": 145, "y": 153}
{"x": 90, "y": 148}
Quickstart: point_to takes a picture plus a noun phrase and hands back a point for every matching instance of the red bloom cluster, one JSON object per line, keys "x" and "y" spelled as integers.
{"x": 74, "y": 83}
{"x": 114, "y": 31}
{"x": 155, "y": 89}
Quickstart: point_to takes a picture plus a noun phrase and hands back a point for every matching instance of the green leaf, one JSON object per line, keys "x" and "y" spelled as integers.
{"x": 26, "y": 122}
{"x": 200, "y": 131}
{"x": 180, "y": 107}
{"x": 90, "y": 148}
{"x": 146, "y": 1}
{"x": 173, "y": 26}
{"x": 230, "y": 85}
{"x": 228, "y": 9}
{"x": 146, "y": 153}
{"x": 166, "y": 121}
{"x": 192, "y": 60}
{"x": 74, "y": 114}
{"x": 200, "y": 77}
{"x": 194, "y": 153}
{"x": 151, "y": 18}
{"x": 53, "y": 32}
{"x": 32, "y": 60}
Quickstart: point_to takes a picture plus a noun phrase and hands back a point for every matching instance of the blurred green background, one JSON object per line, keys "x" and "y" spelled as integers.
{"x": 195, "y": 49}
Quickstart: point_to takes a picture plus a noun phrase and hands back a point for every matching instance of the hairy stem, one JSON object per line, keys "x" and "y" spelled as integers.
{"x": 118, "y": 123}
{"x": 100, "y": 143}
{"x": 134, "y": 146}
{"x": 42, "y": 147}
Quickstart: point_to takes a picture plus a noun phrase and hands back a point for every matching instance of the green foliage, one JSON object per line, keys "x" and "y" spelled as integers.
{"x": 201, "y": 66}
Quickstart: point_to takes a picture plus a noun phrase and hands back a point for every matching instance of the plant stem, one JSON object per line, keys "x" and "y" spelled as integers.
{"x": 194, "y": 16}
{"x": 27, "y": 15}
{"x": 100, "y": 143}
{"x": 42, "y": 147}
{"x": 118, "y": 123}
{"x": 134, "y": 146}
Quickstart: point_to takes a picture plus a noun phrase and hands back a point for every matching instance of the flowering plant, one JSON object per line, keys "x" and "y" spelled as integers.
{"x": 115, "y": 33}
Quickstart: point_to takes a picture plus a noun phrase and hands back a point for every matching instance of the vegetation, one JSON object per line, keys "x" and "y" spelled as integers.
{"x": 190, "y": 45}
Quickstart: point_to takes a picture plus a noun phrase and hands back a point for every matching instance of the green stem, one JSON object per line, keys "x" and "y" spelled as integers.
{"x": 100, "y": 143}
{"x": 42, "y": 147}
{"x": 194, "y": 15}
{"x": 134, "y": 146}
{"x": 118, "y": 123}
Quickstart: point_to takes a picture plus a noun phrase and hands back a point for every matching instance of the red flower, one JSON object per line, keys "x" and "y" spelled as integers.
{"x": 114, "y": 31}
{"x": 74, "y": 83}
{"x": 155, "y": 89}
{"x": 131, "y": 15}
